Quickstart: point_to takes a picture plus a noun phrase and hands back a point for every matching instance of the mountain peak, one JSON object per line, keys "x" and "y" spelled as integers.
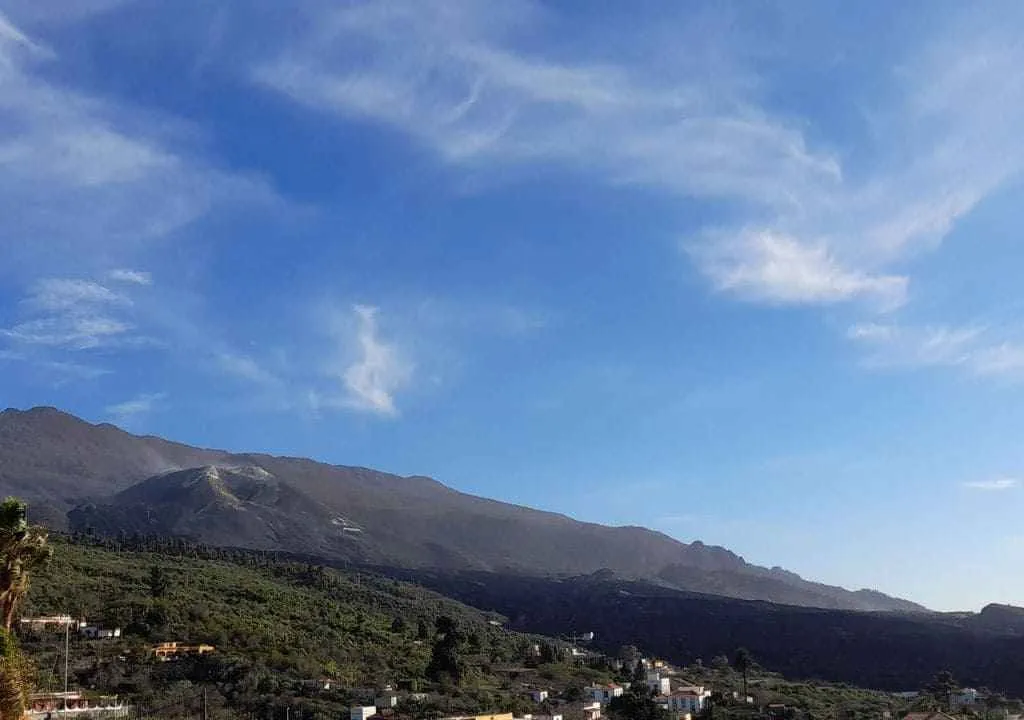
{"x": 82, "y": 476}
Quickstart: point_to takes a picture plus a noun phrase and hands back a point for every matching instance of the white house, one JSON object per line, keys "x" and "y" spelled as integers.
{"x": 966, "y": 696}
{"x": 592, "y": 711}
{"x": 362, "y": 712}
{"x": 538, "y": 696}
{"x": 603, "y": 694}
{"x": 659, "y": 685}
{"x": 386, "y": 700}
{"x": 688, "y": 700}
{"x": 97, "y": 633}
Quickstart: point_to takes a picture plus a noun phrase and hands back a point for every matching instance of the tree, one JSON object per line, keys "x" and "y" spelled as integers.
{"x": 445, "y": 657}
{"x": 398, "y": 624}
{"x": 14, "y": 673}
{"x": 629, "y": 654}
{"x": 637, "y": 704}
{"x": 741, "y": 662}
{"x": 159, "y": 583}
{"x": 23, "y": 548}
{"x": 942, "y": 687}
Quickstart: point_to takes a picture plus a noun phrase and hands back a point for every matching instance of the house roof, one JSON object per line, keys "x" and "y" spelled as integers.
{"x": 927, "y": 716}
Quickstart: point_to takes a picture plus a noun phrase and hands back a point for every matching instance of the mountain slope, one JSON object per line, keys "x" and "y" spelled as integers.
{"x": 99, "y": 477}
{"x": 879, "y": 650}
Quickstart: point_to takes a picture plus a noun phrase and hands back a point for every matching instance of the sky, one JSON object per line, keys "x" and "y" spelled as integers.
{"x": 740, "y": 272}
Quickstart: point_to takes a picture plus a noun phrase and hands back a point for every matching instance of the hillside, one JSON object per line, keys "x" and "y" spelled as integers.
{"x": 274, "y": 623}
{"x": 82, "y": 476}
{"x": 880, "y": 650}
{"x": 278, "y": 623}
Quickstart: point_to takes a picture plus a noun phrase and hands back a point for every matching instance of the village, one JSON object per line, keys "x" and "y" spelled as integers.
{"x": 661, "y": 685}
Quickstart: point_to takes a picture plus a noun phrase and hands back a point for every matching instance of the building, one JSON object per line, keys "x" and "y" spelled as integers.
{"x": 658, "y": 685}
{"x": 538, "y": 696}
{"x": 94, "y": 632}
{"x": 317, "y": 684}
{"x": 964, "y": 697}
{"x": 48, "y": 621}
{"x": 592, "y": 711}
{"x": 174, "y": 650}
{"x": 688, "y": 700}
{"x": 499, "y": 716}
{"x": 43, "y": 705}
{"x": 587, "y": 637}
{"x": 387, "y": 700}
{"x": 603, "y": 694}
{"x": 927, "y": 716}
{"x": 362, "y": 712}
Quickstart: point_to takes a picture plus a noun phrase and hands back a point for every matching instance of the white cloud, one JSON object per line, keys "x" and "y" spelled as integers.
{"x": 993, "y": 485}
{"x": 769, "y": 267}
{"x": 248, "y": 369}
{"x": 378, "y": 370}
{"x": 73, "y": 314}
{"x": 135, "y": 277}
{"x": 127, "y": 412}
{"x": 977, "y": 349}
{"x": 86, "y": 183}
{"x": 807, "y": 230}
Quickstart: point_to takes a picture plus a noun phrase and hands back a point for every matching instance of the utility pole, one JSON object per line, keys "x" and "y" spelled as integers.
{"x": 205, "y": 716}
{"x": 67, "y": 648}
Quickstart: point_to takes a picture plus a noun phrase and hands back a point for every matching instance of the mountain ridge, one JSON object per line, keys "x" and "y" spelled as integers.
{"x": 78, "y": 476}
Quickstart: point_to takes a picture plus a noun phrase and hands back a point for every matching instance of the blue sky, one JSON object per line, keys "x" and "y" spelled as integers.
{"x": 745, "y": 273}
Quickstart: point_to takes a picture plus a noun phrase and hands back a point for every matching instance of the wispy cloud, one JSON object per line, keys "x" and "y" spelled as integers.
{"x": 978, "y": 349}
{"x": 73, "y": 314}
{"x": 764, "y": 266}
{"x": 995, "y": 485}
{"x": 379, "y": 370}
{"x": 94, "y": 182}
{"x": 804, "y": 229}
{"x": 130, "y": 411}
{"x": 135, "y": 277}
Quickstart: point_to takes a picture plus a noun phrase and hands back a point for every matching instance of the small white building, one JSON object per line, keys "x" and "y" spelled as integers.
{"x": 538, "y": 696}
{"x": 688, "y": 700}
{"x": 386, "y": 700}
{"x": 97, "y": 633}
{"x": 362, "y": 712}
{"x": 604, "y": 694}
{"x": 965, "y": 696}
{"x": 592, "y": 711}
{"x": 659, "y": 685}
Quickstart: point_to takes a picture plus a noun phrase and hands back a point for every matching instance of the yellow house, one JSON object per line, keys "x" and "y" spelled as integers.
{"x": 170, "y": 650}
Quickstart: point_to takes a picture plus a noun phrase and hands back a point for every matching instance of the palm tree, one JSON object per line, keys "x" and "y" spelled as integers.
{"x": 23, "y": 548}
{"x": 14, "y": 673}
{"x": 742, "y": 662}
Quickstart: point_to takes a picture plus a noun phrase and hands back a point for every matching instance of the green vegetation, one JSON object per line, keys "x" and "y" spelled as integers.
{"x": 275, "y": 623}
{"x": 24, "y": 548}
{"x": 282, "y": 628}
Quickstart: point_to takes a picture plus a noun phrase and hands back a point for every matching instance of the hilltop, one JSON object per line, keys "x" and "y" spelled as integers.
{"x": 98, "y": 478}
